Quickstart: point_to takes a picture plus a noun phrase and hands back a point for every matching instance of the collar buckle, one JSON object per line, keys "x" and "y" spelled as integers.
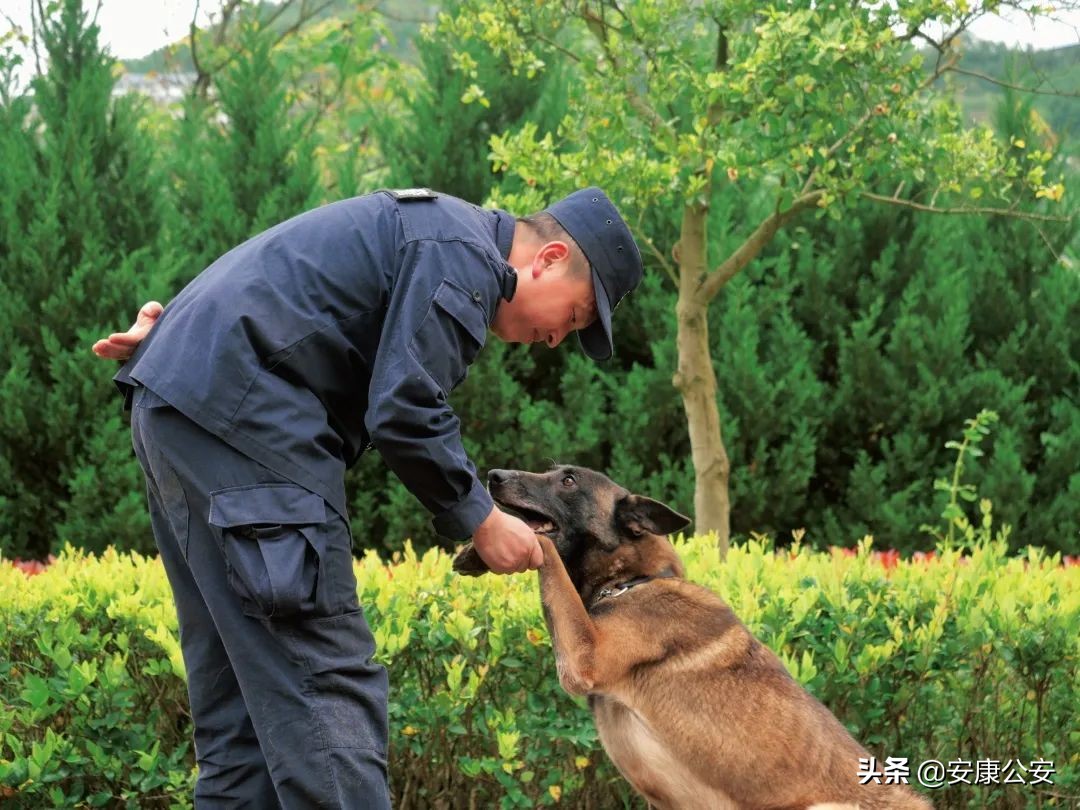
{"x": 612, "y": 592}
{"x": 619, "y": 590}
{"x": 509, "y": 284}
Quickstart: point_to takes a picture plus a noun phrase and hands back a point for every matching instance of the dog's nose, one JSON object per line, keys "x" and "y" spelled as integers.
{"x": 499, "y": 476}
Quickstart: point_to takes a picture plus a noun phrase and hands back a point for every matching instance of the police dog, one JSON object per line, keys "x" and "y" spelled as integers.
{"x": 694, "y": 711}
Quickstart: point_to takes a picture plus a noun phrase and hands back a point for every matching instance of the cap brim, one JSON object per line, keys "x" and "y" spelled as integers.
{"x": 595, "y": 338}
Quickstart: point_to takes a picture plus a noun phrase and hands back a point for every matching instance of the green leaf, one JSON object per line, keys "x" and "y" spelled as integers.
{"x": 35, "y": 691}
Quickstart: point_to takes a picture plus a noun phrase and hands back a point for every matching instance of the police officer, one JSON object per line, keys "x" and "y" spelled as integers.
{"x": 341, "y": 329}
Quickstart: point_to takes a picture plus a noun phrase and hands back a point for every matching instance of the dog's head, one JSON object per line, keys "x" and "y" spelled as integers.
{"x": 579, "y": 509}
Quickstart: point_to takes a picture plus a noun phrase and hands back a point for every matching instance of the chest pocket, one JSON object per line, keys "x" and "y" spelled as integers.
{"x": 452, "y": 332}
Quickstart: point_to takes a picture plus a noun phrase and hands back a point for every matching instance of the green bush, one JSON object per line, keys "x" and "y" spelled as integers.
{"x": 959, "y": 657}
{"x": 920, "y": 322}
{"x": 94, "y": 705}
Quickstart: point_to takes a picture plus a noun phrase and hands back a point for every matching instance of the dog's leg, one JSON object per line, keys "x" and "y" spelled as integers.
{"x": 574, "y": 635}
{"x": 591, "y": 655}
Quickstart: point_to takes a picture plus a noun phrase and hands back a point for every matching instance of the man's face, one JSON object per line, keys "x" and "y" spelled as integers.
{"x": 549, "y": 304}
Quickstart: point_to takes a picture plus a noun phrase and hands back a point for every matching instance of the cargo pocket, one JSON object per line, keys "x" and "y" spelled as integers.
{"x": 268, "y": 534}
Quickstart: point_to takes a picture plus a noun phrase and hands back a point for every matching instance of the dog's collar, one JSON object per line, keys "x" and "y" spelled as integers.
{"x": 623, "y": 587}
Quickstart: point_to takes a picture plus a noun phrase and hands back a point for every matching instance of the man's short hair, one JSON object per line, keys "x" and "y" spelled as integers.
{"x": 548, "y": 229}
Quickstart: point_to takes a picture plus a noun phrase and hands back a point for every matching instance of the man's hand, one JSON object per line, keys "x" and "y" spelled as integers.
{"x": 507, "y": 544}
{"x": 121, "y": 345}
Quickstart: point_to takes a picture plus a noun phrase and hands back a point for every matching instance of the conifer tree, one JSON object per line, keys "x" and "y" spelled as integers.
{"x": 79, "y": 224}
{"x": 440, "y": 140}
{"x": 243, "y": 161}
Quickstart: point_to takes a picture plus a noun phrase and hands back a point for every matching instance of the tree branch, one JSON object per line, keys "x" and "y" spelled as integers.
{"x": 306, "y": 15}
{"x": 1002, "y": 83}
{"x": 201, "y": 85}
{"x": 36, "y": 18}
{"x": 553, "y": 44}
{"x": 1046, "y": 239}
{"x": 598, "y": 27}
{"x": 278, "y": 10}
{"x": 382, "y": 12}
{"x": 749, "y": 249}
{"x": 659, "y": 254}
{"x": 202, "y": 78}
{"x": 862, "y": 122}
{"x": 965, "y": 209}
{"x": 226, "y": 17}
{"x": 715, "y": 110}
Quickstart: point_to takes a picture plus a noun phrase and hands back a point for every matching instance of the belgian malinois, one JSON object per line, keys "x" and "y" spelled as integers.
{"x": 694, "y": 711}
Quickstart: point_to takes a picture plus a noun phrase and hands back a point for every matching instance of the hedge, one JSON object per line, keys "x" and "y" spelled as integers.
{"x": 959, "y": 656}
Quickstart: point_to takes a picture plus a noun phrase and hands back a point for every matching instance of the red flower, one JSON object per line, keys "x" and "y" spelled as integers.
{"x": 889, "y": 558}
{"x": 31, "y": 567}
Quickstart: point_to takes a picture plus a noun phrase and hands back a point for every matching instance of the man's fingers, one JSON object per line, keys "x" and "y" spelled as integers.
{"x": 537, "y": 558}
{"x": 149, "y": 311}
{"x": 517, "y": 565}
{"x": 530, "y": 561}
{"x": 121, "y": 345}
{"x": 111, "y": 351}
{"x": 500, "y": 564}
{"x": 147, "y": 317}
{"x": 125, "y": 339}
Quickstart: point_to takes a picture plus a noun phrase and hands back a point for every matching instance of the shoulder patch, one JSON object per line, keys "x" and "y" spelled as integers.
{"x": 412, "y": 194}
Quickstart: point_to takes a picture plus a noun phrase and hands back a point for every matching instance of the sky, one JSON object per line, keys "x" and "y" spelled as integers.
{"x": 134, "y": 28}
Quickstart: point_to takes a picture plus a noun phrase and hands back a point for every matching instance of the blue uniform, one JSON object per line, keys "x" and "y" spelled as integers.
{"x": 342, "y": 328}
{"x": 263, "y": 380}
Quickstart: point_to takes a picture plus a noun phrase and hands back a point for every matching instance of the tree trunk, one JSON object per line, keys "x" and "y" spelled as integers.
{"x": 696, "y": 382}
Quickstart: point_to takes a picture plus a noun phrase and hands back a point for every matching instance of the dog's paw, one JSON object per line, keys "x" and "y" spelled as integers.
{"x": 467, "y": 562}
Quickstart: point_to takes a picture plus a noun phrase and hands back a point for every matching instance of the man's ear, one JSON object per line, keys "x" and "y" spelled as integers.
{"x": 552, "y": 253}
{"x": 637, "y": 514}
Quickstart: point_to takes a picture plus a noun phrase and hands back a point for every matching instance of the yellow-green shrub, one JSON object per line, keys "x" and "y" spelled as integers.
{"x": 972, "y": 657}
{"x": 91, "y": 685}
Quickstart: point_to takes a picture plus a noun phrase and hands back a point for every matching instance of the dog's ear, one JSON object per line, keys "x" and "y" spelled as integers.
{"x": 638, "y": 514}
{"x": 467, "y": 562}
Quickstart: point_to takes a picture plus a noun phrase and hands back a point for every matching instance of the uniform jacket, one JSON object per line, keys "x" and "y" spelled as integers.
{"x": 343, "y": 328}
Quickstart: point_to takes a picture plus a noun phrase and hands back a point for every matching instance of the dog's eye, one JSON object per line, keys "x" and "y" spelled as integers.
{"x": 568, "y": 481}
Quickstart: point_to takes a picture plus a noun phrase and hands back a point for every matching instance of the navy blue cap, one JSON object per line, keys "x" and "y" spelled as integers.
{"x": 594, "y": 223}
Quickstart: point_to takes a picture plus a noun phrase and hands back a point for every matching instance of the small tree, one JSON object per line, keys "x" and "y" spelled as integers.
{"x": 805, "y": 106}
{"x": 79, "y": 224}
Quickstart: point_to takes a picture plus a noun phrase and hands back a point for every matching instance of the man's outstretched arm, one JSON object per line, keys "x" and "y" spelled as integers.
{"x": 121, "y": 345}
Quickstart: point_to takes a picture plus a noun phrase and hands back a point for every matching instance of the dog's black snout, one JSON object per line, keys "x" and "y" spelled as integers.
{"x": 499, "y": 476}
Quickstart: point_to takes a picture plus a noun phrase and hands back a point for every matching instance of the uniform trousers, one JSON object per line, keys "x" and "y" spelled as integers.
{"x": 289, "y": 710}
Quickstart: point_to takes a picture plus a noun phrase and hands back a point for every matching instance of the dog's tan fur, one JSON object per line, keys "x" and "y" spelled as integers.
{"x": 694, "y": 711}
